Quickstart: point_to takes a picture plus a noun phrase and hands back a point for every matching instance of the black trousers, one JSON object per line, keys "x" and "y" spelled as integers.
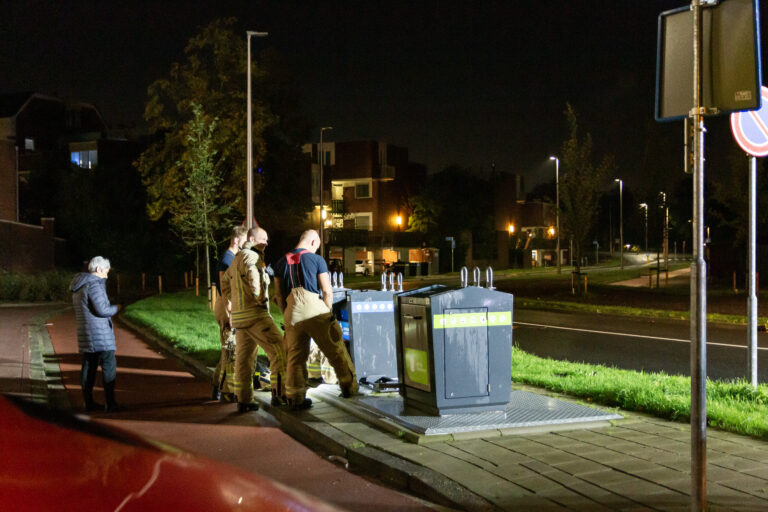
{"x": 91, "y": 363}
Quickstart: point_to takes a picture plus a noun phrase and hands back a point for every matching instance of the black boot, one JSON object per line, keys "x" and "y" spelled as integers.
{"x": 243, "y": 407}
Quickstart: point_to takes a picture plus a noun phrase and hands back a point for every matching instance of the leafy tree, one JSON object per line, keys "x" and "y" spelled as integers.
{"x": 580, "y": 185}
{"x": 212, "y": 75}
{"x": 197, "y": 219}
{"x": 425, "y": 214}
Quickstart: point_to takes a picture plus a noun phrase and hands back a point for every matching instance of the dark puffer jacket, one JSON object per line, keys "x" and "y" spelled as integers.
{"x": 93, "y": 312}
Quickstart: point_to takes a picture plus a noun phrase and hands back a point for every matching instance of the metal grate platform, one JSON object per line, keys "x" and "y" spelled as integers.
{"x": 524, "y": 410}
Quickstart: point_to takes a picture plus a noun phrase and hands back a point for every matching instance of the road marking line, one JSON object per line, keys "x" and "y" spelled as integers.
{"x": 679, "y": 340}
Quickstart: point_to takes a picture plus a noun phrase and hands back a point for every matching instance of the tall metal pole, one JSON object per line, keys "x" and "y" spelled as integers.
{"x": 322, "y": 221}
{"x": 698, "y": 288}
{"x": 249, "y": 150}
{"x": 751, "y": 271}
{"x": 621, "y": 220}
{"x": 557, "y": 209}
{"x": 645, "y": 206}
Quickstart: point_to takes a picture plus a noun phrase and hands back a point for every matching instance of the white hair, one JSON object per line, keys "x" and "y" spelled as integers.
{"x": 98, "y": 264}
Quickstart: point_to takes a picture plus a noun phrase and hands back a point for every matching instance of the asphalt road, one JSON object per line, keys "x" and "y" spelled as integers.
{"x": 635, "y": 344}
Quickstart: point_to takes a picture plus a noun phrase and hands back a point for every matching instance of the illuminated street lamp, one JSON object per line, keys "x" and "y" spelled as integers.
{"x": 511, "y": 229}
{"x": 621, "y": 219}
{"x": 249, "y": 163}
{"x": 645, "y": 206}
{"x": 557, "y": 206}
{"x": 399, "y": 221}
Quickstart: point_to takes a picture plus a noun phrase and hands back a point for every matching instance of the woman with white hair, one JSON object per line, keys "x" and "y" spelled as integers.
{"x": 95, "y": 334}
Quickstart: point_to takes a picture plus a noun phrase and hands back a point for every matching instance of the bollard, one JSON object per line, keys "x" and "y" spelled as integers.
{"x": 143, "y": 281}
{"x": 666, "y": 277}
{"x": 159, "y": 284}
{"x": 573, "y": 283}
{"x": 213, "y": 296}
{"x": 197, "y": 287}
{"x": 186, "y": 280}
{"x": 585, "y": 284}
{"x": 735, "y": 290}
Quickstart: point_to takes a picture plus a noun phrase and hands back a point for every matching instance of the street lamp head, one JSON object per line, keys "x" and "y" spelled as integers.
{"x": 399, "y": 220}
{"x": 553, "y": 157}
{"x": 644, "y": 205}
{"x": 256, "y": 34}
{"x": 617, "y": 180}
{"x": 326, "y": 128}
{"x": 511, "y": 228}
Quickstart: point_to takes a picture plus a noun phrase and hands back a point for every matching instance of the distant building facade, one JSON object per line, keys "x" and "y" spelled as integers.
{"x": 362, "y": 204}
{"x": 40, "y": 135}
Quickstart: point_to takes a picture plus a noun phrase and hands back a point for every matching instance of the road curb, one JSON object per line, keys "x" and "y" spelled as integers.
{"x": 362, "y": 459}
{"x": 46, "y": 372}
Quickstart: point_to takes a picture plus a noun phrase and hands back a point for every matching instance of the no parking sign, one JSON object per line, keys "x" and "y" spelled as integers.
{"x": 750, "y": 129}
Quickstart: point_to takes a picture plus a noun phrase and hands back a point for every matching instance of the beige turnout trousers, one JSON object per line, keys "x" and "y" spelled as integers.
{"x": 307, "y": 316}
{"x": 263, "y": 332}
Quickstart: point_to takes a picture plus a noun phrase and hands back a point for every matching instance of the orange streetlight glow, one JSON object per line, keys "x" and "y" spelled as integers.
{"x": 511, "y": 228}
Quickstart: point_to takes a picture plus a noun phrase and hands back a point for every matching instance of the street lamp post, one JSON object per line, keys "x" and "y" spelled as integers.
{"x": 557, "y": 207}
{"x": 645, "y": 206}
{"x": 249, "y": 152}
{"x": 322, "y": 209}
{"x": 621, "y": 219}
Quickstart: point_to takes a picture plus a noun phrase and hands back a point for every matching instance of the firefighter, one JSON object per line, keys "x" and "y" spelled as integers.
{"x": 246, "y": 284}
{"x": 221, "y": 375}
{"x": 300, "y": 277}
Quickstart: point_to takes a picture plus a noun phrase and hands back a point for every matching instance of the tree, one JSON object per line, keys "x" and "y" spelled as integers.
{"x": 425, "y": 214}
{"x": 197, "y": 219}
{"x": 213, "y": 76}
{"x": 580, "y": 185}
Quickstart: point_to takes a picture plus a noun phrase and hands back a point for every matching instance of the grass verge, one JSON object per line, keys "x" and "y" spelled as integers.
{"x": 627, "y": 311}
{"x": 734, "y": 406}
{"x": 184, "y": 320}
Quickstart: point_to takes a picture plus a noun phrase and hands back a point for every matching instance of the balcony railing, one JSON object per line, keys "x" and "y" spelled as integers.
{"x": 363, "y": 238}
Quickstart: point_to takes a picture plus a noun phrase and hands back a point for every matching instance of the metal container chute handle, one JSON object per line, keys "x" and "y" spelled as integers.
{"x": 383, "y": 281}
{"x": 341, "y": 280}
{"x": 489, "y": 278}
{"x": 334, "y": 280}
{"x": 392, "y": 281}
{"x": 399, "y": 282}
{"x": 464, "y": 273}
{"x": 476, "y": 276}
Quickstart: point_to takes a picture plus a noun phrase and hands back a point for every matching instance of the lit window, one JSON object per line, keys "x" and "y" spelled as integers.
{"x": 362, "y": 190}
{"x": 29, "y": 144}
{"x": 86, "y": 159}
{"x": 363, "y": 221}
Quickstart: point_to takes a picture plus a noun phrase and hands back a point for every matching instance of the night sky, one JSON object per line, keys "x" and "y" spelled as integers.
{"x": 457, "y": 82}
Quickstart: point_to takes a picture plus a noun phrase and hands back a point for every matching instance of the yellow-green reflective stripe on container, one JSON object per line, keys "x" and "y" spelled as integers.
{"x": 458, "y": 320}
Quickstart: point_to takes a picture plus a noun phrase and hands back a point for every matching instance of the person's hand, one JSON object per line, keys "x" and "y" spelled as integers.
{"x": 229, "y": 306}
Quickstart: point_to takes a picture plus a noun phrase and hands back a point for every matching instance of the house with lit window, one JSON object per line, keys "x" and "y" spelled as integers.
{"x": 361, "y": 192}
{"x": 40, "y": 135}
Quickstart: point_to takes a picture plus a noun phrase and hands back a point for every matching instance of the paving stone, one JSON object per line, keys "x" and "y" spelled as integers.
{"x": 733, "y": 462}
{"x": 632, "y": 465}
{"x": 761, "y": 472}
{"x": 603, "y": 455}
{"x": 529, "y": 502}
{"x": 556, "y": 440}
{"x": 679, "y": 462}
{"x": 483, "y": 434}
{"x": 748, "y": 484}
{"x": 556, "y": 457}
{"x": 735, "y": 500}
{"x": 718, "y": 474}
{"x": 514, "y": 472}
{"x": 668, "y": 501}
{"x": 589, "y": 490}
{"x": 491, "y": 451}
{"x": 581, "y": 467}
{"x": 368, "y": 435}
{"x": 467, "y": 456}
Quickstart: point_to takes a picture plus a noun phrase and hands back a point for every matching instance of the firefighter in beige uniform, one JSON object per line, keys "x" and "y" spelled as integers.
{"x": 246, "y": 285}
{"x": 300, "y": 277}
